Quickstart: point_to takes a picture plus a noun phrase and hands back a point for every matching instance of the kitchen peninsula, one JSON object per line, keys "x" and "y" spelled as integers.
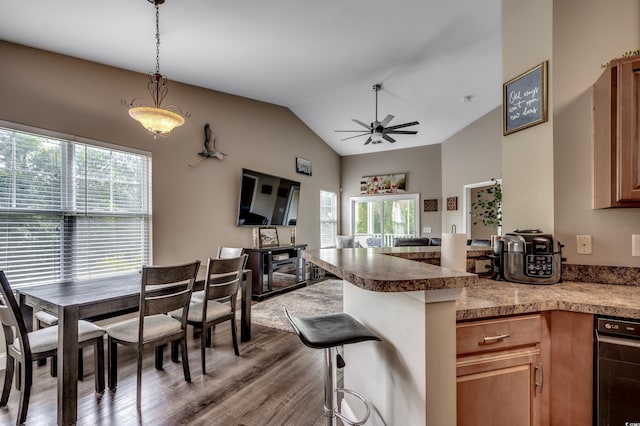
{"x": 410, "y": 377}
{"x": 415, "y": 307}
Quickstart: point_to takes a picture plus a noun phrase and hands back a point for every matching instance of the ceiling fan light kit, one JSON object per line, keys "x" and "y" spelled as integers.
{"x": 378, "y": 131}
{"x": 158, "y": 120}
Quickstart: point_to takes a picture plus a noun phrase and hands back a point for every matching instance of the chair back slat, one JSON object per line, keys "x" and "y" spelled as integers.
{"x": 229, "y": 252}
{"x": 11, "y": 318}
{"x": 223, "y": 277}
{"x": 165, "y": 288}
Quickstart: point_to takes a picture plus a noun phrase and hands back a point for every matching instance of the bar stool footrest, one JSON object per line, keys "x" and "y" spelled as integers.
{"x": 347, "y": 420}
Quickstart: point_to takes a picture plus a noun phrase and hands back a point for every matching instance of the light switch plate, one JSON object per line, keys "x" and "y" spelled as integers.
{"x": 583, "y": 244}
{"x": 426, "y": 229}
{"x": 635, "y": 245}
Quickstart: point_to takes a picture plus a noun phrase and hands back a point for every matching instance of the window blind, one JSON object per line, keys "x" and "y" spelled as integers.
{"x": 70, "y": 210}
{"x": 328, "y": 219}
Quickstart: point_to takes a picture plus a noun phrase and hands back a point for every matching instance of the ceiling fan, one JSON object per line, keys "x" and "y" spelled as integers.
{"x": 378, "y": 130}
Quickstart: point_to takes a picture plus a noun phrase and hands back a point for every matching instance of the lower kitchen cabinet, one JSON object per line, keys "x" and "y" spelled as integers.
{"x": 572, "y": 368}
{"x": 500, "y": 370}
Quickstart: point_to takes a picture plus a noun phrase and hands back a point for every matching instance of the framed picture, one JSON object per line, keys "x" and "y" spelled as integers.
{"x": 268, "y": 236}
{"x": 384, "y": 184}
{"x": 303, "y": 166}
{"x": 452, "y": 203}
{"x": 431, "y": 205}
{"x": 524, "y": 99}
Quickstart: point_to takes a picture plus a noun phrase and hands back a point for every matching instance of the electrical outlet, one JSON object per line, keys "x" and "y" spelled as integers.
{"x": 584, "y": 244}
{"x": 483, "y": 266}
{"x": 426, "y": 229}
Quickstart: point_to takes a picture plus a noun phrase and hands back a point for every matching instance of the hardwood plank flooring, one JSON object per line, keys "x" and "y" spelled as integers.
{"x": 275, "y": 381}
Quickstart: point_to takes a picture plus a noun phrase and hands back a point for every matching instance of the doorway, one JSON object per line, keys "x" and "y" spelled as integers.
{"x": 474, "y": 227}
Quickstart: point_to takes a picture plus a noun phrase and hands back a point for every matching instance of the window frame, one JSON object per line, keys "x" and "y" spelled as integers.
{"x": 71, "y": 218}
{"x": 334, "y": 221}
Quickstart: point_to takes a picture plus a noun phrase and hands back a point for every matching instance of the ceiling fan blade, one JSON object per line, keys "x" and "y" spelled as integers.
{"x": 368, "y": 141}
{"x": 361, "y": 123}
{"x": 356, "y": 136}
{"x": 388, "y": 138}
{"x": 387, "y": 120}
{"x": 398, "y": 126}
{"x": 401, "y": 132}
{"x": 354, "y": 131}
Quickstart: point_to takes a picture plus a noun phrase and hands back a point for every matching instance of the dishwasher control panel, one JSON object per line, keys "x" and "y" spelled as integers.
{"x": 619, "y": 327}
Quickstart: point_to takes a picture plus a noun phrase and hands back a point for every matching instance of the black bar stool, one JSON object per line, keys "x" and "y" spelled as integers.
{"x": 328, "y": 332}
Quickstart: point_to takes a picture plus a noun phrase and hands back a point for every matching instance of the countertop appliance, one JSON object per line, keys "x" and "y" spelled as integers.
{"x": 617, "y": 372}
{"x": 528, "y": 256}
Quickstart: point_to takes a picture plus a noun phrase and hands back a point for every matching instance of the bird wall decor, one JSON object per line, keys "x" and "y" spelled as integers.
{"x": 210, "y": 149}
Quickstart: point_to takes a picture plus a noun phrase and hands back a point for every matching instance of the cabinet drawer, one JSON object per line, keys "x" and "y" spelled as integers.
{"x": 496, "y": 334}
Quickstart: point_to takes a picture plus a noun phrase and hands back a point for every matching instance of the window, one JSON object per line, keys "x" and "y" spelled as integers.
{"x": 328, "y": 219}
{"x": 377, "y": 221}
{"x": 70, "y": 210}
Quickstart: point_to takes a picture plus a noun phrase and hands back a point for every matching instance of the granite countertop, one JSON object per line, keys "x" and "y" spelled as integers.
{"x": 430, "y": 252}
{"x": 370, "y": 269}
{"x": 498, "y": 298}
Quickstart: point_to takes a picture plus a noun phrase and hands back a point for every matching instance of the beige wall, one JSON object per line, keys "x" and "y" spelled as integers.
{"x": 470, "y": 156}
{"x": 194, "y": 199}
{"x": 547, "y": 169}
{"x": 527, "y": 155}
{"x": 424, "y": 176}
{"x": 586, "y": 34}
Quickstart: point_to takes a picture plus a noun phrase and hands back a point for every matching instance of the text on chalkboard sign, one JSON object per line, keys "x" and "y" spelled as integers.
{"x": 525, "y": 100}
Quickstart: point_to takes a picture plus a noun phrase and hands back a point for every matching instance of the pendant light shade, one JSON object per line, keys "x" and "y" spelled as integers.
{"x": 158, "y": 120}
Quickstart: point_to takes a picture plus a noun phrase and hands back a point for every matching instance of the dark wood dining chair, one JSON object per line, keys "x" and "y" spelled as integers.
{"x": 163, "y": 289}
{"x": 221, "y": 286}
{"x": 27, "y": 348}
{"x": 223, "y": 253}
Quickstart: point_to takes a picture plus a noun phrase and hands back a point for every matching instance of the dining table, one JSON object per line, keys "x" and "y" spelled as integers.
{"x": 97, "y": 298}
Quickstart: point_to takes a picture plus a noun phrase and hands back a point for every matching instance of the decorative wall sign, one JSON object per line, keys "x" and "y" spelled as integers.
{"x": 268, "y": 236}
{"x": 431, "y": 205}
{"x": 303, "y": 166}
{"x": 524, "y": 100}
{"x": 383, "y": 184}
{"x": 452, "y": 203}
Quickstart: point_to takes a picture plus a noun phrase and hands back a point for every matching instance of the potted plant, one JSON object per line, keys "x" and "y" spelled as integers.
{"x": 487, "y": 207}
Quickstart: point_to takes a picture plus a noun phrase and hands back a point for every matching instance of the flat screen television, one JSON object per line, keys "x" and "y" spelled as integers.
{"x": 267, "y": 200}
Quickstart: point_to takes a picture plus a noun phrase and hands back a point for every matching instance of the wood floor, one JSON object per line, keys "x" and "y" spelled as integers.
{"x": 275, "y": 381}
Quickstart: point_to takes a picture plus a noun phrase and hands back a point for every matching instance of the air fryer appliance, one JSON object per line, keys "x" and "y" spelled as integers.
{"x": 528, "y": 256}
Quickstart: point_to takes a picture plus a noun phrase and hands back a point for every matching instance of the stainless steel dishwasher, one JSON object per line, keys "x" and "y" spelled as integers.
{"x": 617, "y": 372}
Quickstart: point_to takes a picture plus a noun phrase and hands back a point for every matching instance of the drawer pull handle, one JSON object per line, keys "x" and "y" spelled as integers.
{"x": 495, "y": 339}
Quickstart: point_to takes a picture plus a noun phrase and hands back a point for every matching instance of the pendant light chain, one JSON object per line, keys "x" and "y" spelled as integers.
{"x": 157, "y": 38}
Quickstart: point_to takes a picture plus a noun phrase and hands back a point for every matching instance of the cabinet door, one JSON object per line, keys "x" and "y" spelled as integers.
{"x": 499, "y": 389}
{"x": 629, "y": 139}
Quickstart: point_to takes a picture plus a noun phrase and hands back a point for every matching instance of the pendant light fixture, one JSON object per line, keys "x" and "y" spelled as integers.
{"x": 158, "y": 120}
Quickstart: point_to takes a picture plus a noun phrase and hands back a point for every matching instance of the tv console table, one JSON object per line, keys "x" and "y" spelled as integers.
{"x": 263, "y": 262}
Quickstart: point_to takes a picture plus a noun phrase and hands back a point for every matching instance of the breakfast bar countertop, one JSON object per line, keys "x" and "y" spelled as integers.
{"x": 480, "y": 298}
{"x": 370, "y": 269}
{"x": 499, "y": 298}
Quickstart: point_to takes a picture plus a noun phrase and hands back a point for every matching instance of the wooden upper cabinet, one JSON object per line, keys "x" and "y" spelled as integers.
{"x": 616, "y": 137}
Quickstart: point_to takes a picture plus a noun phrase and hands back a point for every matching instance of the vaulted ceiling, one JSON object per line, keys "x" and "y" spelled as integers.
{"x": 318, "y": 58}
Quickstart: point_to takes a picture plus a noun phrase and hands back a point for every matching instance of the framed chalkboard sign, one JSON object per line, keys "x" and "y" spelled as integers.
{"x": 525, "y": 100}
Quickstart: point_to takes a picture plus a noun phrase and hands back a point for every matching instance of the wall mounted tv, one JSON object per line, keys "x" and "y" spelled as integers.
{"x": 267, "y": 200}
